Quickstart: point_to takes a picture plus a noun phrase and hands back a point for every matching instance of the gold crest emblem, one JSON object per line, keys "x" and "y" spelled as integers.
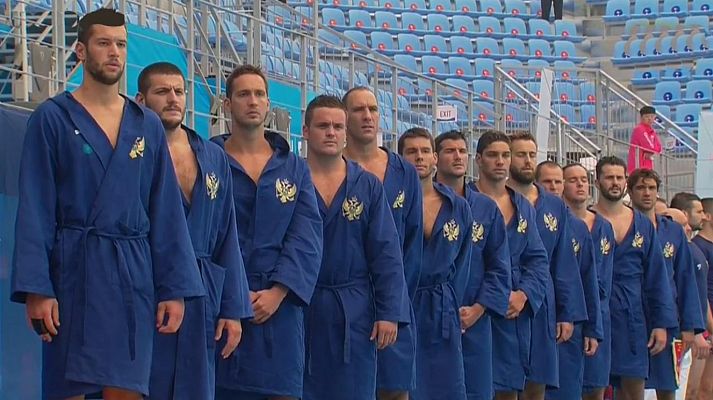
{"x": 638, "y": 240}
{"x": 605, "y": 246}
{"x": 478, "y": 232}
{"x": 399, "y": 202}
{"x": 212, "y": 183}
{"x": 668, "y": 250}
{"x": 451, "y": 230}
{"x": 137, "y": 150}
{"x": 285, "y": 190}
{"x": 551, "y": 222}
{"x": 575, "y": 246}
{"x": 352, "y": 208}
{"x": 521, "y": 225}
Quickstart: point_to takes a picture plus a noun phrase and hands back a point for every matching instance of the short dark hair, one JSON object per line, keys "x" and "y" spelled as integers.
{"x": 707, "y": 203}
{"x": 489, "y": 137}
{"x": 416, "y": 132}
{"x": 640, "y": 174}
{"x": 546, "y": 163}
{"x": 100, "y": 16}
{"x": 450, "y": 135}
{"x": 345, "y": 98}
{"x": 524, "y": 136}
{"x": 159, "y": 68}
{"x": 647, "y": 110}
{"x": 684, "y": 201}
{"x": 322, "y": 101}
{"x": 609, "y": 160}
{"x": 245, "y": 69}
{"x": 572, "y": 165}
{"x": 661, "y": 200}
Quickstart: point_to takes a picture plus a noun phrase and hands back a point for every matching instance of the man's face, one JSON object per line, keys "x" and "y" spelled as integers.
{"x": 453, "y": 158}
{"x": 362, "y": 117}
{"x": 643, "y": 194}
{"x": 576, "y": 185}
{"x": 104, "y": 54}
{"x": 552, "y": 180}
{"x": 494, "y": 162}
{"x": 418, "y": 151}
{"x": 166, "y": 96}
{"x": 612, "y": 182}
{"x": 326, "y": 133}
{"x": 524, "y": 159}
{"x": 660, "y": 207}
{"x": 248, "y": 103}
{"x": 648, "y": 119}
{"x": 696, "y": 215}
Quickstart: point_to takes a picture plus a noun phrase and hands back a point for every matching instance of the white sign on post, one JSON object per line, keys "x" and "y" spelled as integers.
{"x": 447, "y": 113}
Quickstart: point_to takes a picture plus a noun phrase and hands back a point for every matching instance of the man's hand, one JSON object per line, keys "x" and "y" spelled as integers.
{"x": 564, "y": 331}
{"x": 470, "y": 315}
{"x": 46, "y": 309}
{"x": 234, "y": 331}
{"x": 687, "y": 338}
{"x": 590, "y": 346}
{"x": 384, "y": 333}
{"x": 657, "y": 341}
{"x": 174, "y": 309}
{"x": 516, "y": 304}
{"x": 701, "y": 348}
{"x": 266, "y": 302}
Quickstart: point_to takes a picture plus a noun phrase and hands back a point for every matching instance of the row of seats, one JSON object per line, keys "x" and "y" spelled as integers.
{"x": 673, "y": 93}
{"x": 681, "y": 47}
{"x": 684, "y": 115}
{"x": 649, "y": 76}
{"x": 618, "y": 11}
{"x": 440, "y": 24}
{"x": 643, "y": 26}
{"x": 495, "y": 8}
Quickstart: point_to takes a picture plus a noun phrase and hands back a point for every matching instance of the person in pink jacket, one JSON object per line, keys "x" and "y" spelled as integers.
{"x": 645, "y": 143}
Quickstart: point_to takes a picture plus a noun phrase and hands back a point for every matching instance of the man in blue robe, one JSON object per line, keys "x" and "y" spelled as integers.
{"x": 641, "y": 304}
{"x": 564, "y": 304}
{"x": 101, "y": 243}
{"x": 595, "y": 355}
{"x": 396, "y": 374}
{"x": 181, "y": 369}
{"x": 528, "y": 261}
{"x": 586, "y": 335}
{"x": 643, "y": 187}
{"x": 444, "y": 278}
{"x": 489, "y": 287}
{"x": 280, "y": 232}
{"x": 361, "y": 281}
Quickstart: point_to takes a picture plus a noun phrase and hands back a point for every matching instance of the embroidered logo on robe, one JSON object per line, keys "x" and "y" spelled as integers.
{"x": 521, "y": 225}
{"x": 285, "y": 190}
{"x": 137, "y": 150}
{"x": 399, "y": 202}
{"x": 638, "y": 240}
{"x": 551, "y": 222}
{"x": 352, "y": 208}
{"x": 478, "y": 232}
{"x": 605, "y": 246}
{"x": 575, "y": 246}
{"x": 668, "y": 250}
{"x": 451, "y": 230}
{"x": 212, "y": 183}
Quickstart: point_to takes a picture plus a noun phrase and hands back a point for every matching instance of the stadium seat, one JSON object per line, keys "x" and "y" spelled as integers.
{"x": 564, "y": 93}
{"x": 517, "y": 8}
{"x": 484, "y": 114}
{"x": 665, "y": 111}
{"x": 515, "y": 48}
{"x": 541, "y": 29}
{"x": 534, "y": 88}
{"x": 487, "y": 47}
{"x": 567, "y": 30}
{"x": 434, "y": 66}
{"x": 587, "y": 117}
{"x": 687, "y": 115}
{"x": 698, "y": 91}
{"x": 636, "y": 26}
{"x": 679, "y": 74}
{"x": 565, "y": 70}
{"x": 484, "y": 68}
{"x": 646, "y": 9}
{"x": 616, "y": 11}
{"x": 622, "y": 55}
{"x": 410, "y": 44}
{"x": 587, "y": 93}
{"x": 645, "y": 77}
{"x": 460, "y": 92}
{"x": 515, "y": 27}
{"x": 460, "y": 67}
{"x": 566, "y": 51}
{"x": 490, "y": 27}
{"x": 703, "y": 69}
{"x": 536, "y": 9}
{"x": 667, "y": 93}
{"x": 361, "y": 20}
{"x": 418, "y": 6}
{"x": 534, "y": 68}
{"x": 467, "y": 7}
{"x": 492, "y": 8}
{"x": 701, "y": 21}
{"x": 439, "y": 24}
{"x": 391, "y": 5}
{"x": 386, "y": 21}
{"x": 566, "y": 112}
{"x": 675, "y": 8}
{"x": 462, "y": 46}
{"x": 540, "y": 49}
{"x": 383, "y": 43}
{"x": 444, "y": 7}
{"x": 701, "y": 7}
{"x": 407, "y": 61}
{"x": 514, "y": 68}
{"x": 663, "y": 24}
{"x": 465, "y": 25}
{"x": 435, "y": 45}
{"x": 413, "y": 23}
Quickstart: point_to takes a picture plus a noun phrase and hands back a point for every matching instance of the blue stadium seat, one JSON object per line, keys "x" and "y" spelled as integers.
{"x": 334, "y": 42}
{"x": 566, "y": 112}
{"x": 366, "y": 5}
{"x": 407, "y": 61}
{"x": 622, "y": 55}
{"x": 460, "y": 67}
{"x": 484, "y": 68}
{"x": 490, "y": 27}
{"x": 514, "y": 68}
{"x": 687, "y": 115}
{"x": 387, "y": 21}
{"x": 361, "y": 20}
{"x": 565, "y": 70}
{"x": 680, "y": 74}
{"x": 405, "y": 87}
{"x": 616, "y": 11}
{"x": 460, "y": 93}
{"x": 667, "y": 93}
{"x": 515, "y": 48}
{"x": 413, "y": 23}
{"x": 517, "y": 8}
{"x": 484, "y": 114}
{"x": 492, "y": 8}
{"x": 703, "y": 69}
{"x": 698, "y": 91}
{"x": 646, "y": 9}
{"x": 636, "y": 26}
{"x": 645, "y": 77}
{"x": 675, "y": 8}
{"x": 701, "y": 21}
{"x": 652, "y": 51}
{"x": 535, "y": 68}
{"x": 462, "y": 45}
{"x": 467, "y": 7}
{"x": 564, "y": 93}
{"x": 663, "y": 24}
{"x": 465, "y": 25}
{"x": 665, "y": 111}
{"x": 540, "y": 49}
{"x": 516, "y": 116}
{"x": 410, "y": 44}
{"x": 587, "y": 93}
{"x": 566, "y": 51}
{"x": 487, "y": 47}
{"x": 418, "y": 6}
{"x": 541, "y": 29}
{"x": 444, "y": 7}
{"x": 701, "y": 7}
{"x": 435, "y": 45}
{"x": 587, "y": 117}
{"x": 515, "y": 27}
{"x": 567, "y": 30}
{"x": 534, "y": 88}
{"x": 692, "y": 46}
{"x": 383, "y": 42}
{"x": 439, "y": 24}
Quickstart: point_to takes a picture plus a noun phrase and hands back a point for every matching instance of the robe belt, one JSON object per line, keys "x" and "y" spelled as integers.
{"x": 125, "y": 282}
{"x": 263, "y": 281}
{"x": 441, "y": 287}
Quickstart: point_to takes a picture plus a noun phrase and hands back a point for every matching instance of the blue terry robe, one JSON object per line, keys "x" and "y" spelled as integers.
{"x": 102, "y": 230}
{"x": 641, "y": 299}
{"x": 181, "y": 369}
{"x": 702, "y": 269}
{"x": 397, "y": 363}
{"x": 706, "y": 247}
{"x": 530, "y": 272}
{"x": 280, "y": 232}
{"x": 441, "y": 288}
{"x": 361, "y": 281}
{"x": 682, "y": 277}
{"x": 596, "y": 367}
{"x": 571, "y": 352}
{"x": 489, "y": 285}
{"x": 564, "y": 301}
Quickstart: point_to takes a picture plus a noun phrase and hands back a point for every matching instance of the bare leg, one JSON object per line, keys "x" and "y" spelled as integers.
{"x": 665, "y": 395}
{"x": 597, "y": 394}
{"x": 391, "y": 395}
{"x": 533, "y": 391}
{"x": 505, "y": 395}
{"x": 705, "y": 388}
{"x": 120, "y": 394}
{"x": 694, "y": 378}
{"x": 630, "y": 389}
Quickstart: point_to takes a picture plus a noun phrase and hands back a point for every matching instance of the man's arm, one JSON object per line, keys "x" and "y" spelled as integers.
{"x": 533, "y": 260}
{"x": 413, "y": 235}
{"x": 495, "y": 289}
